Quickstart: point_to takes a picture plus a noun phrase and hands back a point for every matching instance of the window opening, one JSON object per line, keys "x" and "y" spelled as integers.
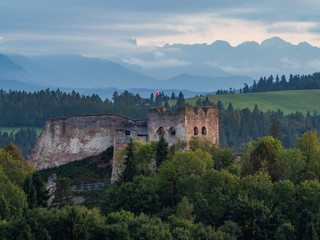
{"x": 160, "y": 131}
{"x": 204, "y": 130}
{"x": 172, "y": 131}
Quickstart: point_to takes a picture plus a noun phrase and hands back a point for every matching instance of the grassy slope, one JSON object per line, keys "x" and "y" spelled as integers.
{"x": 287, "y": 101}
{"x": 83, "y": 171}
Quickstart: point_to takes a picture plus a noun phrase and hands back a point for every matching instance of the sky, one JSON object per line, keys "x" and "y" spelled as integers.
{"x": 108, "y": 28}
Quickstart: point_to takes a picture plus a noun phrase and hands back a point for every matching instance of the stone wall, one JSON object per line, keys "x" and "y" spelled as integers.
{"x": 205, "y": 120}
{"x": 183, "y": 123}
{"x": 73, "y": 138}
{"x": 64, "y": 140}
{"x": 173, "y": 124}
{"x": 121, "y": 139}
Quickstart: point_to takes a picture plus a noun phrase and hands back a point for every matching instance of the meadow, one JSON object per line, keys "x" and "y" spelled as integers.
{"x": 287, "y": 101}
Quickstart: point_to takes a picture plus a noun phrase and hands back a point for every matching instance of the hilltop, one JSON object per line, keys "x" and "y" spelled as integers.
{"x": 287, "y": 101}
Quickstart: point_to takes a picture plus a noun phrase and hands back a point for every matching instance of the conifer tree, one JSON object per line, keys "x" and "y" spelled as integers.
{"x": 42, "y": 194}
{"x": 62, "y": 193}
{"x": 161, "y": 151}
{"x": 130, "y": 164}
{"x": 31, "y": 192}
{"x": 180, "y": 100}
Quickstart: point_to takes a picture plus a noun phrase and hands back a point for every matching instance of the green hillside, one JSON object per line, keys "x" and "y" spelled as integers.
{"x": 287, "y": 101}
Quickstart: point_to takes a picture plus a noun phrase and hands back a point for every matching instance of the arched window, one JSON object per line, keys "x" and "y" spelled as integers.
{"x": 160, "y": 131}
{"x": 204, "y": 130}
{"x": 172, "y": 131}
{"x": 195, "y": 131}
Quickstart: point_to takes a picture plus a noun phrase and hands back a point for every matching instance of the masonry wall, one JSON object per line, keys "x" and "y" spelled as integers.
{"x": 121, "y": 139}
{"x": 202, "y": 117}
{"x": 161, "y": 117}
{"x": 73, "y": 138}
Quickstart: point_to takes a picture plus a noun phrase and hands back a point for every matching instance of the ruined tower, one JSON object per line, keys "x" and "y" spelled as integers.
{"x": 184, "y": 124}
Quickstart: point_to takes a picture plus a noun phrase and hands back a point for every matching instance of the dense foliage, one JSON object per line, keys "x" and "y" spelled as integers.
{"x": 202, "y": 193}
{"x": 241, "y": 126}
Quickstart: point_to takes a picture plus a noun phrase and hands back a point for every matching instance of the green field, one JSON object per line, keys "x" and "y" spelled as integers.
{"x": 16, "y": 129}
{"x": 287, "y": 101}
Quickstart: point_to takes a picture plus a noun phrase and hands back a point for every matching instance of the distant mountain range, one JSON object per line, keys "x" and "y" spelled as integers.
{"x": 195, "y": 69}
{"x": 93, "y": 75}
{"x": 272, "y": 56}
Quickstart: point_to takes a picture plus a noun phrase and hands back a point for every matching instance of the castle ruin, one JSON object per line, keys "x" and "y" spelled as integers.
{"x": 68, "y": 139}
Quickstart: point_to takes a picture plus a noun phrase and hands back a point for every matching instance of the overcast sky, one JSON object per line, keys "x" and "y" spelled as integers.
{"x": 105, "y": 28}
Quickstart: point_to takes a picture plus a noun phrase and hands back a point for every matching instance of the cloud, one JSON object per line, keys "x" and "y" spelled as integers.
{"x": 33, "y": 44}
{"x": 80, "y": 26}
{"x": 157, "y": 63}
{"x": 252, "y": 70}
{"x": 291, "y": 27}
{"x": 288, "y": 63}
{"x": 313, "y": 64}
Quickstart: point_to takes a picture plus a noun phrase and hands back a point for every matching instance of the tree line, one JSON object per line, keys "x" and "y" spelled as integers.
{"x": 295, "y": 82}
{"x": 26, "y": 109}
{"x": 24, "y": 139}
{"x": 237, "y": 126}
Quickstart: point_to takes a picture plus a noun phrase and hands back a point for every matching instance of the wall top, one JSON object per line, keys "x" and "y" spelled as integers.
{"x": 163, "y": 110}
{"x": 95, "y": 115}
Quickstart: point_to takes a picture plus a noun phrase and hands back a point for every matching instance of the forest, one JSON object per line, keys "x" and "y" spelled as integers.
{"x": 237, "y": 126}
{"x": 24, "y": 139}
{"x": 169, "y": 193}
{"x": 295, "y": 82}
{"x": 166, "y": 192}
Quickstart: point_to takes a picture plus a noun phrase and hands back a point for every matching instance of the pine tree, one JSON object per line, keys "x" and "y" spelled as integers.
{"x": 130, "y": 169}
{"x": 31, "y": 192}
{"x": 180, "y": 100}
{"x": 220, "y": 105}
{"x": 161, "y": 151}
{"x": 185, "y": 210}
{"x": 151, "y": 98}
{"x": 274, "y": 129}
{"x": 173, "y": 96}
{"x": 42, "y": 194}
{"x": 63, "y": 193}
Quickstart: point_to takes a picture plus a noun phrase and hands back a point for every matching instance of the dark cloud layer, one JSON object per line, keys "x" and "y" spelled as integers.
{"x": 59, "y": 25}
